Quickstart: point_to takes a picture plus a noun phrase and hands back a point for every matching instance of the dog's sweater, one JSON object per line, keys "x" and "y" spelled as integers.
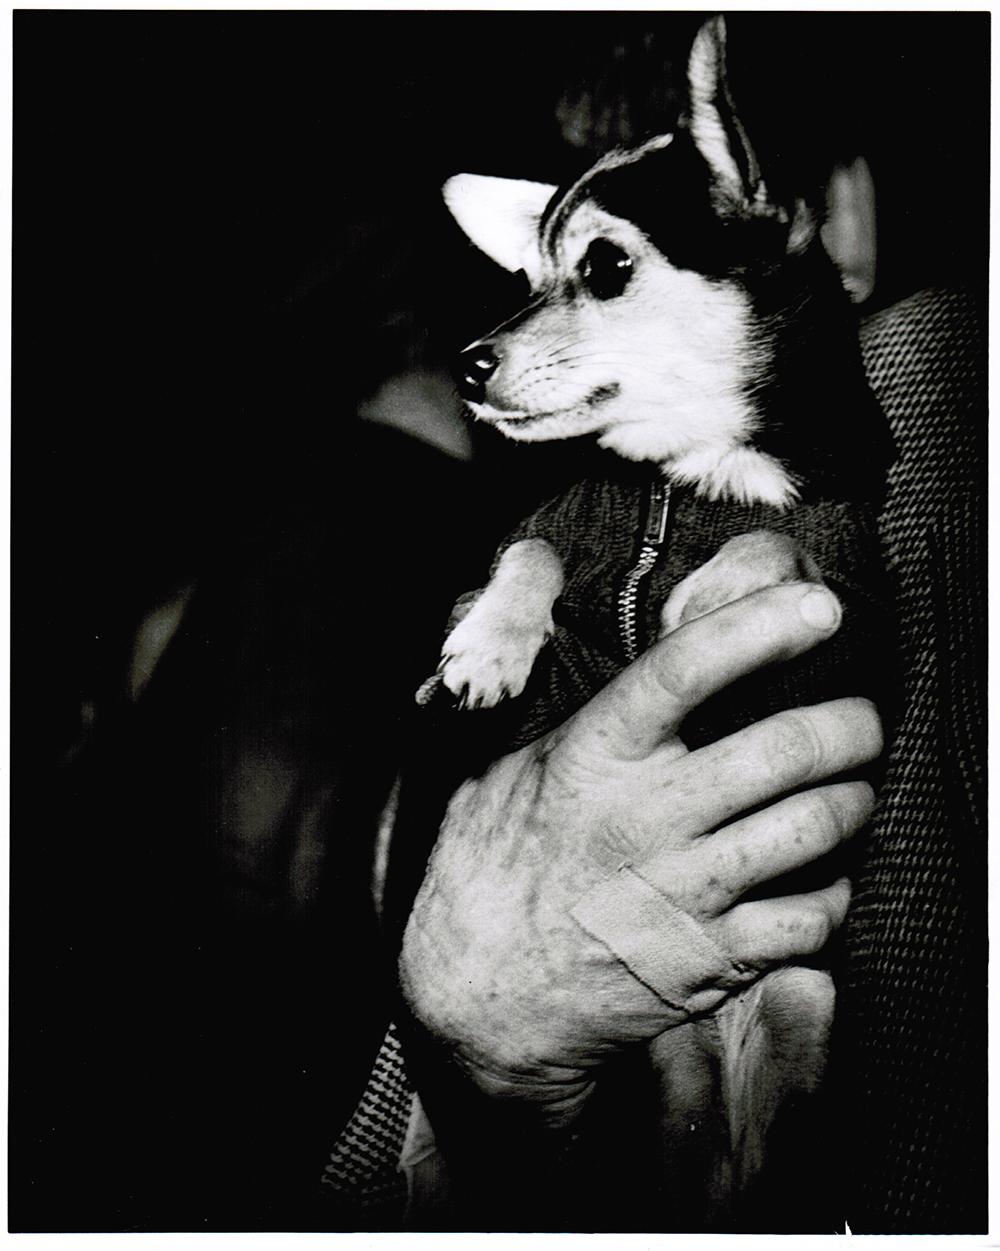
{"x": 597, "y": 527}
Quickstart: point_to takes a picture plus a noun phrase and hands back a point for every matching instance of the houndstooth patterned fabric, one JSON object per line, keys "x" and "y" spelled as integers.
{"x": 363, "y": 1172}
{"x": 912, "y": 1008}
{"x": 911, "y": 1014}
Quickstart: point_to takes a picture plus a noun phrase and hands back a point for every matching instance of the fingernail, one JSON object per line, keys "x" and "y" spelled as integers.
{"x": 820, "y": 609}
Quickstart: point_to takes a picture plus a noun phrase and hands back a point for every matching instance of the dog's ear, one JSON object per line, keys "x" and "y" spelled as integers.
{"x": 501, "y": 216}
{"x": 715, "y": 127}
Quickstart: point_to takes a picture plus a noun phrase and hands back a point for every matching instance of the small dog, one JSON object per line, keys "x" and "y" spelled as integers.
{"x": 692, "y": 322}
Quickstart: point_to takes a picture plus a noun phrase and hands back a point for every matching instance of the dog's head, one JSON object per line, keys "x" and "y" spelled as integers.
{"x": 642, "y": 326}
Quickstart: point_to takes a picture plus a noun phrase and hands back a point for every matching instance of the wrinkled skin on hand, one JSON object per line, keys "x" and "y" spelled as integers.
{"x": 494, "y": 963}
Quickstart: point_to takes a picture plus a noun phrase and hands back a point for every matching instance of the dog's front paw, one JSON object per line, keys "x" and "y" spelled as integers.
{"x": 746, "y": 563}
{"x": 483, "y": 662}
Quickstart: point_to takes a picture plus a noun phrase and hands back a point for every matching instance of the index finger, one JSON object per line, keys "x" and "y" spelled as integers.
{"x": 645, "y": 705}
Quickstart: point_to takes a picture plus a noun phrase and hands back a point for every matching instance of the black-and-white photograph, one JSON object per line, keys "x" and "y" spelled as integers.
{"x": 498, "y": 622}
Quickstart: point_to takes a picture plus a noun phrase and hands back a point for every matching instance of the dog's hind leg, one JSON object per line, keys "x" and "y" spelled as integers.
{"x": 693, "y": 1148}
{"x": 774, "y": 1039}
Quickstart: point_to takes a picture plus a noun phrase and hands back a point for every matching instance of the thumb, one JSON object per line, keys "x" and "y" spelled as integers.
{"x": 645, "y": 705}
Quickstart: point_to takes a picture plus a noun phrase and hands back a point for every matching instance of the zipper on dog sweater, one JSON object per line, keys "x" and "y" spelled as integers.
{"x": 652, "y": 541}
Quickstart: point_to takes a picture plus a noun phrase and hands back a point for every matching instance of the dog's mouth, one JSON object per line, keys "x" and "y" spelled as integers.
{"x": 518, "y": 417}
{"x": 504, "y": 416}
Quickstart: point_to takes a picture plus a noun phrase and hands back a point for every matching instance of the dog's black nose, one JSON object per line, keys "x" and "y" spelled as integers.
{"x": 475, "y": 366}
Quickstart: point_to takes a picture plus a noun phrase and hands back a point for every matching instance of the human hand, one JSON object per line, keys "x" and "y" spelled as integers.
{"x": 586, "y": 891}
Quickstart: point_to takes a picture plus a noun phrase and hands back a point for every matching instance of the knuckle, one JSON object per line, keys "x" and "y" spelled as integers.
{"x": 817, "y": 930}
{"x": 833, "y": 812}
{"x": 824, "y": 915}
{"x": 818, "y": 813}
{"x": 809, "y": 930}
{"x": 790, "y": 747}
{"x": 671, "y": 677}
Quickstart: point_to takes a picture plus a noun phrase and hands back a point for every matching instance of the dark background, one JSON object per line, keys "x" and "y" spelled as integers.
{"x": 227, "y": 234}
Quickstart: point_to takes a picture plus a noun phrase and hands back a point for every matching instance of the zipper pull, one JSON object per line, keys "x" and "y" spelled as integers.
{"x": 652, "y": 541}
{"x": 656, "y": 518}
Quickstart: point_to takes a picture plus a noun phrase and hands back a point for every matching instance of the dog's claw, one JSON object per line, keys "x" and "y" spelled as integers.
{"x": 426, "y": 691}
{"x": 487, "y": 660}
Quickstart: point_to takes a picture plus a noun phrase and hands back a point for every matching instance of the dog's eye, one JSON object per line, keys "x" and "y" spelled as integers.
{"x": 605, "y": 269}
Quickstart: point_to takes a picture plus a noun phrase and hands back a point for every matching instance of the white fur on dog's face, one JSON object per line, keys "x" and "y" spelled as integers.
{"x": 657, "y": 371}
{"x": 663, "y": 365}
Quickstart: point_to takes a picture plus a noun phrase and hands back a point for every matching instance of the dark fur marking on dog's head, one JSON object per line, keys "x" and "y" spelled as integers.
{"x": 818, "y": 415}
{"x": 557, "y": 212}
{"x": 668, "y": 195}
